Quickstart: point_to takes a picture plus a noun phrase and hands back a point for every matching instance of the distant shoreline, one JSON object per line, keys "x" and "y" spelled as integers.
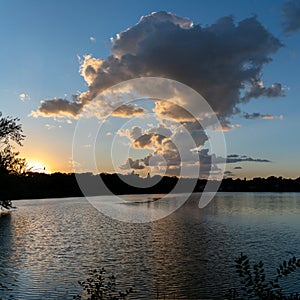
{"x": 70, "y": 198}
{"x": 60, "y": 185}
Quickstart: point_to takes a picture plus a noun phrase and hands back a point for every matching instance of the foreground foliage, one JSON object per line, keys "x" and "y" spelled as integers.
{"x": 10, "y": 132}
{"x": 6, "y": 204}
{"x": 253, "y": 282}
{"x": 99, "y": 286}
{"x": 10, "y": 164}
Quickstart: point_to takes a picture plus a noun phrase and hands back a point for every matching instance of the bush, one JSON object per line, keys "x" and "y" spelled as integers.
{"x": 99, "y": 286}
{"x": 253, "y": 283}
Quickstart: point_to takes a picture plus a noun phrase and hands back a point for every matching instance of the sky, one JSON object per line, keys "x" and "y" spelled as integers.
{"x": 60, "y": 58}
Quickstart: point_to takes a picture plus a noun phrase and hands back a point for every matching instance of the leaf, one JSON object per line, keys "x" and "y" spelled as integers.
{"x": 284, "y": 264}
{"x": 291, "y": 269}
{"x": 246, "y": 262}
{"x": 278, "y": 271}
{"x": 243, "y": 257}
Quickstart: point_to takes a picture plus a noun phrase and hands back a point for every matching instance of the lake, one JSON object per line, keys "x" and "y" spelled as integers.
{"x": 48, "y": 245}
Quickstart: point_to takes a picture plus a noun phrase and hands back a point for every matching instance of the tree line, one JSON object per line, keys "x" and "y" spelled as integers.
{"x": 58, "y": 185}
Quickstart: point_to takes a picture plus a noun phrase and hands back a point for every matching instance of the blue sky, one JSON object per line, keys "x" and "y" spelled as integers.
{"x": 41, "y": 43}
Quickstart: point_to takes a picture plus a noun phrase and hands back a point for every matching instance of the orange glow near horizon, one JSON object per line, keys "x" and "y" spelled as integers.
{"x": 38, "y": 166}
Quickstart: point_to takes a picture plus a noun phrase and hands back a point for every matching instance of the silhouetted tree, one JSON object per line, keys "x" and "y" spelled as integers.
{"x": 10, "y": 164}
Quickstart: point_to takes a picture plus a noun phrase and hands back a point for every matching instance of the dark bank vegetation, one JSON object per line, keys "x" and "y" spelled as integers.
{"x": 32, "y": 185}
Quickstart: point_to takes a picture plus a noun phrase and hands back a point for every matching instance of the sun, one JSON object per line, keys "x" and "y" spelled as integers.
{"x": 37, "y": 166}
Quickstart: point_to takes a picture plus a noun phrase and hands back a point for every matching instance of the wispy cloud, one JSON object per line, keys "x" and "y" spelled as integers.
{"x": 228, "y": 173}
{"x": 234, "y": 158}
{"x": 49, "y": 126}
{"x": 257, "y": 115}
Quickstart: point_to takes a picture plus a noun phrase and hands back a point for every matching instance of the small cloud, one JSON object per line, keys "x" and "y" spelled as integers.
{"x": 92, "y": 39}
{"x": 108, "y": 133}
{"x": 256, "y": 115}
{"x": 268, "y": 117}
{"x": 73, "y": 164}
{"x": 234, "y": 158}
{"x": 226, "y": 126}
{"x": 271, "y": 117}
{"x": 127, "y": 111}
{"x": 251, "y": 116}
{"x": 69, "y": 122}
{"x": 257, "y": 89}
{"x": 24, "y": 97}
{"x": 135, "y": 164}
{"x": 228, "y": 174}
{"x": 49, "y": 126}
{"x": 58, "y": 108}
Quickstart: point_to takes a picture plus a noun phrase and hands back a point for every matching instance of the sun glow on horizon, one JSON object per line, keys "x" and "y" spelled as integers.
{"x": 37, "y": 166}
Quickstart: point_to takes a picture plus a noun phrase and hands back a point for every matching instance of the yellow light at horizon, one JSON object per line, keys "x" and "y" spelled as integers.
{"x": 37, "y": 166}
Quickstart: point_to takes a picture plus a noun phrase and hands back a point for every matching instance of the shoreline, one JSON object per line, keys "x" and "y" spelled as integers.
{"x": 145, "y": 194}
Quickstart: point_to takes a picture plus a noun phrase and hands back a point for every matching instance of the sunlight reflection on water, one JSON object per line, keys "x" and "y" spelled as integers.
{"x": 48, "y": 245}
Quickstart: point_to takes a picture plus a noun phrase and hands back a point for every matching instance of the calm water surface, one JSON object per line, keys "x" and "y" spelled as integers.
{"x": 48, "y": 245}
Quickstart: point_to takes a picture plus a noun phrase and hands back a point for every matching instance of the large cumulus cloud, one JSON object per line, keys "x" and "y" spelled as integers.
{"x": 223, "y": 61}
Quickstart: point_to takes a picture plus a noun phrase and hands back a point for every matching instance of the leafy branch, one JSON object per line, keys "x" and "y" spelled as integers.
{"x": 99, "y": 286}
{"x": 253, "y": 283}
